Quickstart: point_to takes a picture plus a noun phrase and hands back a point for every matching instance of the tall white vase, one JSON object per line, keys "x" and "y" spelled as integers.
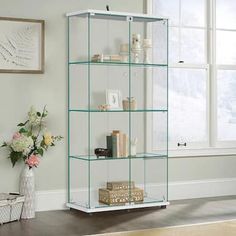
{"x": 27, "y": 188}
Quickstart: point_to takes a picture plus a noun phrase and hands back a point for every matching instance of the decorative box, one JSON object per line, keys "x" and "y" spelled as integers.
{"x": 120, "y": 185}
{"x": 120, "y": 197}
{"x": 10, "y": 207}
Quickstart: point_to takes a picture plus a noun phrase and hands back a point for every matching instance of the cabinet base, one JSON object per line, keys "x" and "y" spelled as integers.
{"x": 115, "y": 208}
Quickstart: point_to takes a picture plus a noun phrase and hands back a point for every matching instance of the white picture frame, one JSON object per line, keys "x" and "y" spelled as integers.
{"x": 114, "y": 99}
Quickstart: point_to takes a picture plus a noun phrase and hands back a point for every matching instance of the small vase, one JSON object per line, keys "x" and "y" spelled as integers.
{"x": 27, "y": 188}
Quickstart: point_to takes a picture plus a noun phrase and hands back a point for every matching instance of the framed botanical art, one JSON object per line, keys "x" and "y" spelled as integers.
{"x": 113, "y": 99}
{"x": 21, "y": 45}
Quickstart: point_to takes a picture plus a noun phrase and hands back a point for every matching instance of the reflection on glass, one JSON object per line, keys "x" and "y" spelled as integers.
{"x": 225, "y": 14}
{"x": 193, "y": 12}
{"x": 225, "y": 47}
{"x": 226, "y": 87}
{"x": 187, "y": 105}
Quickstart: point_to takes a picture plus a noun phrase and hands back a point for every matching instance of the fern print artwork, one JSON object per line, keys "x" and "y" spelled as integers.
{"x": 20, "y": 45}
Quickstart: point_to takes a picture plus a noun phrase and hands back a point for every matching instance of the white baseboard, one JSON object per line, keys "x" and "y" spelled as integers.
{"x": 56, "y": 199}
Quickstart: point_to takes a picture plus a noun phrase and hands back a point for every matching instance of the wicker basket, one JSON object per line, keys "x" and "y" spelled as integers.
{"x": 10, "y": 207}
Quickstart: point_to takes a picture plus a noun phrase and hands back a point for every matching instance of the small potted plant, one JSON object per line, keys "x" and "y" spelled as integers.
{"x": 29, "y": 144}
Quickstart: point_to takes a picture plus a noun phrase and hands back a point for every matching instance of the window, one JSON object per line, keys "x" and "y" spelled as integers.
{"x": 202, "y": 72}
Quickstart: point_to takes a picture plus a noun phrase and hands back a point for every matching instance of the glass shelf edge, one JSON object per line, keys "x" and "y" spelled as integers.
{"x": 125, "y": 111}
{"x": 116, "y": 63}
{"x": 83, "y": 158}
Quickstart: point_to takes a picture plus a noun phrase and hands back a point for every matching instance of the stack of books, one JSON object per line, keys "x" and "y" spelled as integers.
{"x": 118, "y": 144}
{"x": 106, "y": 58}
{"x": 120, "y": 193}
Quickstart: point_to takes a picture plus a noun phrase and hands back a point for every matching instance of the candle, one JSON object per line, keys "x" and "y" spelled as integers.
{"x": 147, "y": 43}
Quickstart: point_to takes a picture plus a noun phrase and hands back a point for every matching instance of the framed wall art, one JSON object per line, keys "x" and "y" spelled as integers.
{"x": 21, "y": 45}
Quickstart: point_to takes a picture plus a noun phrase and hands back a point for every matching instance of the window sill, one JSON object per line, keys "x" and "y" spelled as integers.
{"x": 202, "y": 152}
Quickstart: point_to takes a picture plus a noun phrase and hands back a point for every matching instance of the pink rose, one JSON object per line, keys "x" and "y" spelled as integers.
{"x": 32, "y": 161}
{"x": 16, "y": 135}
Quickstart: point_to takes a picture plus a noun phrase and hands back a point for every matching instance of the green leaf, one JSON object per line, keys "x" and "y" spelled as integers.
{"x": 4, "y": 144}
{"x": 38, "y": 114}
{"x": 15, "y": 156}
{"x": 21, "y": 124}
{"x": 22, "y": 130}
{"x": 40, "y": 151}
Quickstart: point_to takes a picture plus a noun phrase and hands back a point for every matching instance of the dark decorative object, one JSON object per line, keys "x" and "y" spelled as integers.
{"x": 102, "y": 152}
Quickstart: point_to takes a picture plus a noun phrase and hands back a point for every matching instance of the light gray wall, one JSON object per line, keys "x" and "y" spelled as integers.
{"x": 18, "y": 92}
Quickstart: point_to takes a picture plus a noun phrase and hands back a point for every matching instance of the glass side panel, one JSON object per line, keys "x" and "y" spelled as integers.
{"x": 159, "y": 132}
{"x": 79, "y": 183}
{"x": 146, "y": 82}
{"x": 79, "y": 134}
{"x": 103, "y": 172}
{"x": 78, "y": 38}
{"x": 109, "y": 40}
{"x": 150, "y": 177}
{"x": 79, "y": 93}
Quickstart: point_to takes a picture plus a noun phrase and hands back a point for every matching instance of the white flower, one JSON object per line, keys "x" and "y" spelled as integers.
{"x": 22, "y": 144}
{"x": 34, "y": 119}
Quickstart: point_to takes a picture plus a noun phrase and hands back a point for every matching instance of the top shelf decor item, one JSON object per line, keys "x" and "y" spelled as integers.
{"x": 21, "y": 45}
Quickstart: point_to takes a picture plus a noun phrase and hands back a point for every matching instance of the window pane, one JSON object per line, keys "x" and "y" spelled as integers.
{"x": 193, "y": 13}
{"x": 187, "y": 105}
{"x": 225, "y": 47}
{"x": 193, "y": 46}
{"x": 167, "y": 8}
{"x": 225, "y": 14}
{"x": 226, "y": 84}
{"x": 174, "y": 45}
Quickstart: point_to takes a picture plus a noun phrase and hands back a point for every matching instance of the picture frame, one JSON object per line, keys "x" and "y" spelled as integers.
{"x": 114, "y": 99}
{"x": 22, "y": 45}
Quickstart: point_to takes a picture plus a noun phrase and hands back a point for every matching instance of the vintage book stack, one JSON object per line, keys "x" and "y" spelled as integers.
{"x": 118, "y": 144}
{"x": 119, "y": 193}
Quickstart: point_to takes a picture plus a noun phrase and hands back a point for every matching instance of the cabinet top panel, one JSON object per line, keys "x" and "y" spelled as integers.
{"x": 113, "y": 15}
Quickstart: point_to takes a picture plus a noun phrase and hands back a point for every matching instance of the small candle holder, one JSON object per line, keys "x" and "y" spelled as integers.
{"x": 147, "y": 44}
{"x": 136, "y": 47}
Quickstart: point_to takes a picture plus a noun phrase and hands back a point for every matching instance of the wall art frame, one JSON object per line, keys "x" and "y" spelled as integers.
{"x": 22, "y": 45}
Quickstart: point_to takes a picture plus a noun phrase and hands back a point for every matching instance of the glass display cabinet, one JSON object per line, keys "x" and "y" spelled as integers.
{"x": 114, "y": 67}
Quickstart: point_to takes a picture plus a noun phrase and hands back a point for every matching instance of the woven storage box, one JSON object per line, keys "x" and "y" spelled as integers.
{"x": 120, "y": 197}
{"x": 10, "y": 207}
{"x": 119, "y": 185}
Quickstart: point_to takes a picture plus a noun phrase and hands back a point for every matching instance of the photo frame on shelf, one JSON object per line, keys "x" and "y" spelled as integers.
{"x": 114, "y": 99}
{"x": 21, "y": 45}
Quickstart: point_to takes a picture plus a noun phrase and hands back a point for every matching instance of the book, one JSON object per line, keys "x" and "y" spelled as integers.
{"x": 109, "y": 145}
{"x": 125, "y": 145}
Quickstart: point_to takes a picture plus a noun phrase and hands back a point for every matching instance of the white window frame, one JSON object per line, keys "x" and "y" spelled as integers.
{"x": 213, "y": 147}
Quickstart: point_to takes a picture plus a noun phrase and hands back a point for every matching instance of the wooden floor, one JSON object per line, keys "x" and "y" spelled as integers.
{"x": 74, "y": 223}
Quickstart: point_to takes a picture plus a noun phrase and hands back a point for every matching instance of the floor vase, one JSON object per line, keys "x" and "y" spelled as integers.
{"x": 27, "y": 188}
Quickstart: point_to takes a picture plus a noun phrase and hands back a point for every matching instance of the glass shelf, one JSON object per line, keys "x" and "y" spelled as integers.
{"x": 112, "y": 63}
{"x": 138, "y": 156}
{"x": 138, "y": 110}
